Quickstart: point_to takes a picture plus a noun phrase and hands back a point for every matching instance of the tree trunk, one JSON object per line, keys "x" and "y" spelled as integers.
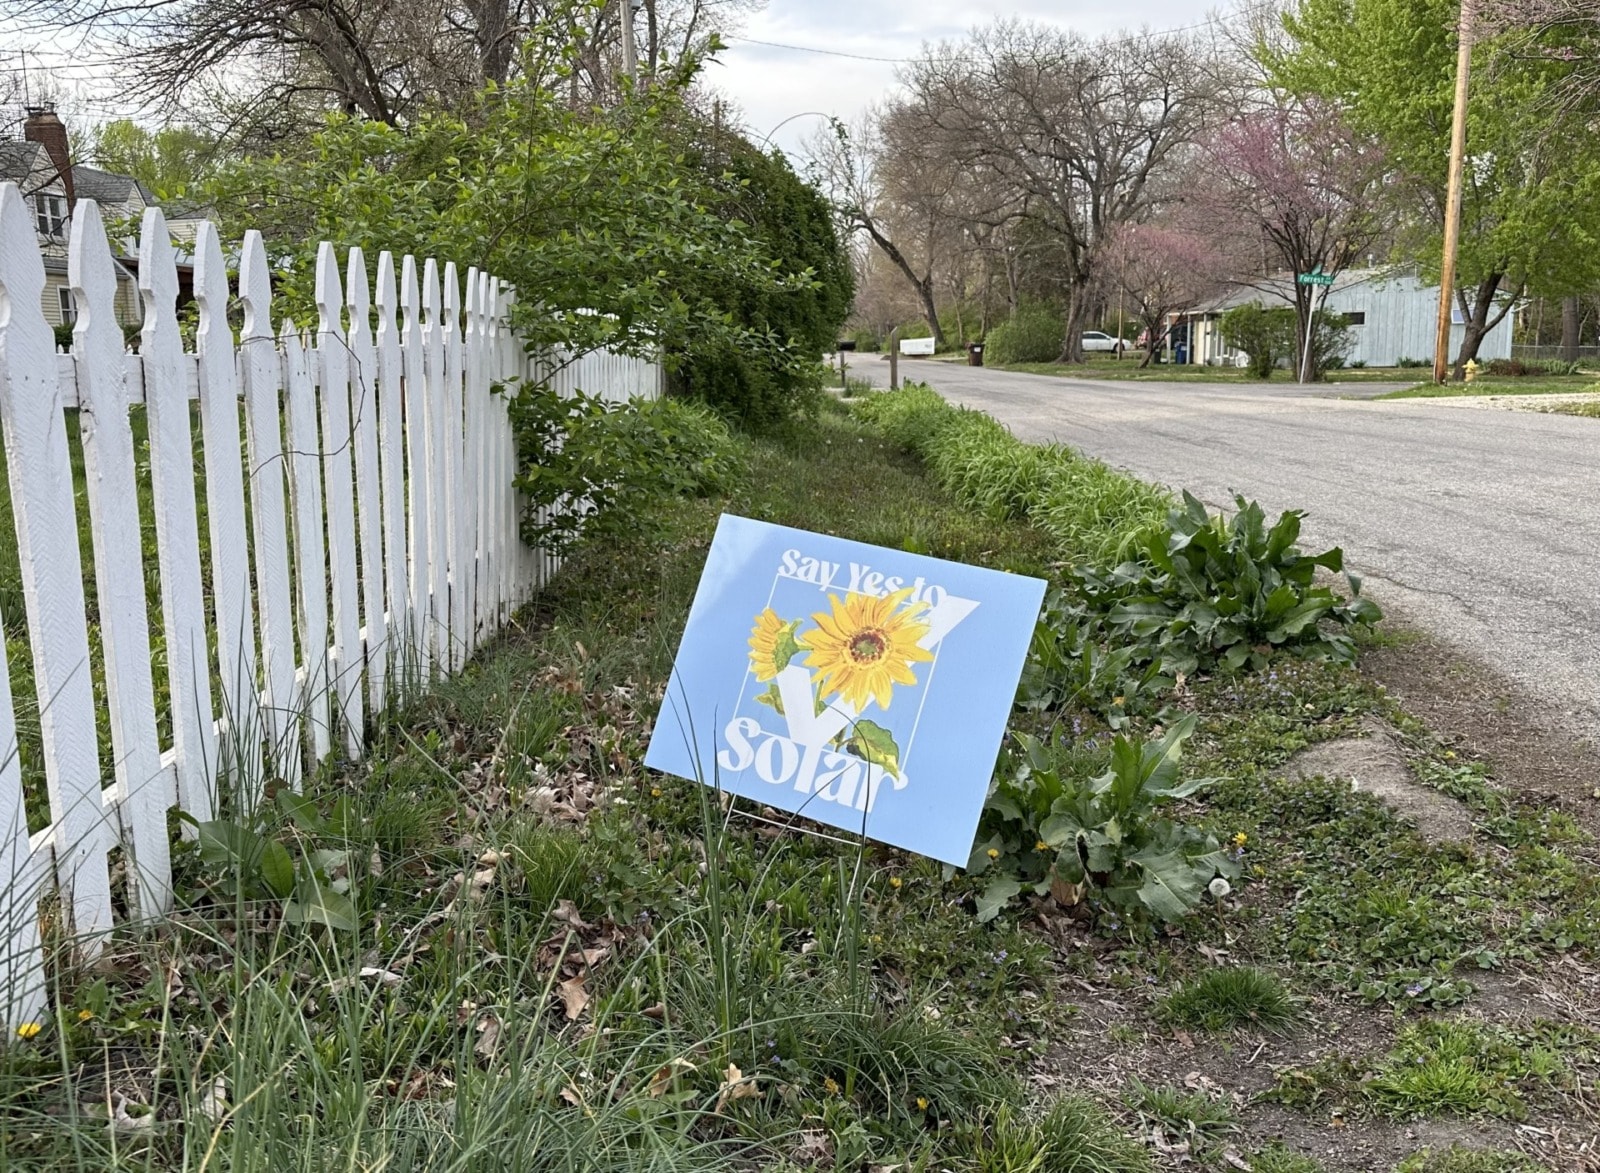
{"x": 1072, "y": 340}
{"x": 1478, "y": 322}
{"x": 923, "y": 285}
{"x": 1569, "y": 329}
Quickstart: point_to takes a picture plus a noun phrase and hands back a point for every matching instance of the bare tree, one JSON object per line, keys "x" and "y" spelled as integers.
{"x": 1080, "y": 133}
{"x": 1295, "y": 189}
{"x": 384, "y": 60}
{"x": 1162, "y": 270}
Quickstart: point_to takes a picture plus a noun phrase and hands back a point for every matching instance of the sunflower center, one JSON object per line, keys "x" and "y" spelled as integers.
{"x": 868, "y": 645}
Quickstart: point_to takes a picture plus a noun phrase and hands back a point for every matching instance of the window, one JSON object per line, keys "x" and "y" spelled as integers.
{"x": 1356, "y": 318}
{"x": 51, "y": 214}
{"x": 69, "y": 305}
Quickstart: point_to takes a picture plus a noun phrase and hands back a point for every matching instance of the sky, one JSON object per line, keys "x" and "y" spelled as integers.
{"x": 770, "y": 70}
{"x": 771, "y": 84}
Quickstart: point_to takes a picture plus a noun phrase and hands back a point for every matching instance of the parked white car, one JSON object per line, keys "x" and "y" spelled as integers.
{"x": 1096, "y": 340}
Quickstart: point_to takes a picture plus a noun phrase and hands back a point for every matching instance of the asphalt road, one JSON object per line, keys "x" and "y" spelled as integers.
{"x": 1481, "y": 526}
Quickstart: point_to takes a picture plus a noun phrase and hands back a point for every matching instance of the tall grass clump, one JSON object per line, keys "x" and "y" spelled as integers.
{"x": 1091, "y": 511}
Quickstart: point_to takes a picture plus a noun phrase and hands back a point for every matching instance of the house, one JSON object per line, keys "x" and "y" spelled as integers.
{"x": 41, "y": 166}
{"x": 1392, "y": 316}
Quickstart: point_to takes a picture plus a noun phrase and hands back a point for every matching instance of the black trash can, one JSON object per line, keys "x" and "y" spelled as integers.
{"x": 974, "y": 354}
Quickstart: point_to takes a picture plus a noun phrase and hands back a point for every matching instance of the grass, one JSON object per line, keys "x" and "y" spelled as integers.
{"x": 1583, "y": 381}
{"x": 1464, "y": 1067}
{"x": 1220, "y": 999}
{"x": 1589, "y": 410}
{"x": 1185, "y": 1117}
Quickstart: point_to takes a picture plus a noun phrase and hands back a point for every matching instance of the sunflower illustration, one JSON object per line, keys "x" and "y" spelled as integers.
{"x": 772, "y": 644}
{"x": 865, "y": 646}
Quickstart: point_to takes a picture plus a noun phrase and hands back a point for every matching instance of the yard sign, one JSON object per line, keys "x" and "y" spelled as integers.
{"x": 863, "y": 687}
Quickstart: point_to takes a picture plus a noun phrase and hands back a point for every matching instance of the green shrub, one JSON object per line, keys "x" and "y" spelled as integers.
{"x": 63, "y": 334}
{"x": 1043, "y": 826}
{"x": 589, "y": 468}
{"x": 1271, "y": 338}
{"x": 1412, "y": 363}
{"x": 1033, "y": 333}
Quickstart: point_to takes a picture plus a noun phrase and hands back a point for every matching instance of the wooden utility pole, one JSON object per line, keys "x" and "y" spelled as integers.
{"x": 630, "y": 55}
{"x": 1452, "y": 208}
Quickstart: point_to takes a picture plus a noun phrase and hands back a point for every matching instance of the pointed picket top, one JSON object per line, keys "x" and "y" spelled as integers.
{"x": 452, "y": 298}
{"x": 358, "y": 296}
{"x": 329, "y": 296}
{"x": 255, "y": 287}
{"x": 93, "y": 278}
{"x": 430, "y": 292}
{"x": 469, "y": 304}
{"x": 158, "y": 273}
{"x": 410, "y": 299}
{"x": 21, "y": 269}
{"x": 210, "y": 275}
{"x": 385, "y": 296}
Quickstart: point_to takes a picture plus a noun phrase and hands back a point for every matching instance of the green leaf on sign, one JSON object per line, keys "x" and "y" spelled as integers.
{"x": 772, "y": 699}
{"x": 787, "y": 647}
{"x": 873, "y": 743}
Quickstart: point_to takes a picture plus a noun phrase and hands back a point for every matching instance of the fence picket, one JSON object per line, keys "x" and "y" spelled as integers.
{"x": 477, "y": 390}
{"x": 454, "y": 467}
{"x": 311, "y": 574}
{"x": 166, "y": 398}
{"x": 262, "y": 376}
{"x": 333, "y": 372}
{"x": 392, "y": 471}
{"x": 416, "y": 389}
{"x": 369, "y": 517}
{"x": 224, "y": 471}
{"x": 21, "y": 959}
{"x": 438, "y": 483}
{"x": 40, "y": 470}
{"x": 147, "y": 787}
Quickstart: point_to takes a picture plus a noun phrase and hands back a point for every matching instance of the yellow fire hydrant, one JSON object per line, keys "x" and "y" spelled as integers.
{"x": 1470, "y": 370}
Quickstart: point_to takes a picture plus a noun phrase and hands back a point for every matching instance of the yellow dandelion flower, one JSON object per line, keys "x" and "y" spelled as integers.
{"x": 1117, "y": 700}
{"x": 864, "y": 646}
{"x": 830, "y": 1086}
{"x": 894, "y": 882}
{"x": 1449, "y": 755}
{"x": 1041, "y": 846}
{"x": 994, "y": 853}
{"x": 29, "y": 1030}
{"x": 655, "y": 792}
{"x": 765, "y": 639}
{"x": 1240, "y": 839}
{"x": 922, "y": 1103}
{"x": 85, "y": 1015}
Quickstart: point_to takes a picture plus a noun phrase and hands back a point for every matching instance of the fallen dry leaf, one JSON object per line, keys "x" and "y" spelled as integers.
{"x": 736, "y": 1086}
{"x": 573, "y": 997}
{"x": 665, "y": 1074}
{"x": 567, "y": 913}
{"x": 658, "y": 1011}
{"x": 1236, "y": 1161}
{"x": 571, "y": 1096}
{"x": 489, "y": 1029}
{"x": 214, "y": 1104}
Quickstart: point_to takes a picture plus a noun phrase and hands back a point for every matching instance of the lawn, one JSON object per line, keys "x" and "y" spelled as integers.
{"x": 1591, "y": 410}
{"x": 563, "y": 962}
{"x": 1583, "y": 381}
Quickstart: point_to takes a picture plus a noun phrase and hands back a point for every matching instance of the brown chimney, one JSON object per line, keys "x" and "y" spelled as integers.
{"x": 44, "y": 128}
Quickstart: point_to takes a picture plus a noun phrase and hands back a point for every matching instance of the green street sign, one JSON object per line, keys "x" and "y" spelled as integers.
{"x": 1315, "y": 278}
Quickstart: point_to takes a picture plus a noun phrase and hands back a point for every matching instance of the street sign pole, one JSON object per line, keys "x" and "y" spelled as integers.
{"x": 1314, "y": 278}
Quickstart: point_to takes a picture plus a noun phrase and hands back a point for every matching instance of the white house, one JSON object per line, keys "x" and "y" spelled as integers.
{"x": 1392, "y": 316}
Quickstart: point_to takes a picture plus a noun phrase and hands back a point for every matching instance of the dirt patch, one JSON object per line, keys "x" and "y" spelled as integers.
{"x": 1478, "y": 712}
{"x": 1374, "y": 764}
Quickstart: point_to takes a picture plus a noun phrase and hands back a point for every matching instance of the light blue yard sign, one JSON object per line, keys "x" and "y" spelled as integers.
{"x": 862, "y": 687}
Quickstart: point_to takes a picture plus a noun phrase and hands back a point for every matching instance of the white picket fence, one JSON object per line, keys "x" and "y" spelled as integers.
{"x": 363, "y": 537}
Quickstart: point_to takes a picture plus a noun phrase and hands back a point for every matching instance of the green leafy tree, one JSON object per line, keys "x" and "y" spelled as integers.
{"x": 611, "y": 236}
{"x": 171, "y": 161}
{"x": 1531, "y": 197}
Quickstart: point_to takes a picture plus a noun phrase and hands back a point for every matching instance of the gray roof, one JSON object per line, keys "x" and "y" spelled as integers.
{"x": 18, "y": 159}
{"x": 105, "y": 187}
